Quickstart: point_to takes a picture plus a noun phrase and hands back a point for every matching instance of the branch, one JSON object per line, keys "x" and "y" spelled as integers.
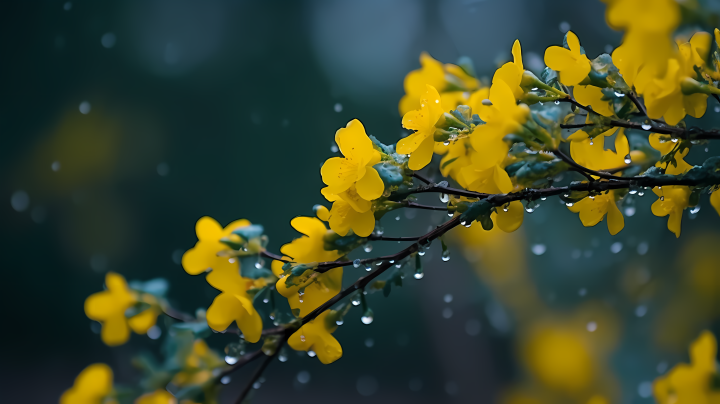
{"x": 384, "y": 238}
{"x": 584, "y": 170}
{"x": 242, "y": 361}
{"x": 176, "y": 314}
{"x": 260, "y": 370}
{"x": 574, "y": 125}
{"x": 414, "y": 205}
{"x": 631, "y": 95}
{"x": 421, "y": 177}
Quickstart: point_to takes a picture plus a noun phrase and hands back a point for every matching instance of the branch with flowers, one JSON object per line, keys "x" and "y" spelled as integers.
{"x": 505, "y": 146}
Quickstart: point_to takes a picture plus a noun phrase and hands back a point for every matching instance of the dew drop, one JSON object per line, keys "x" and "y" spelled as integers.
{"x": 355, "y": 300}
{"x": 557, "y": 102}
{"x": 538, "y": 249}
{"x": 591, "y": 326}
{"x": 628, "y": 160}
{"x": 646, "y": 126}
{"x": 311, "y": 353}
{"x": 418, "y": 275}
{"x": 446, "y": 143}
{"x": 446, "y": 256}
{"x": 444, "y": 198}
{"x": 367, "y": 247}
{"x": 662, "y": 197}
{"x": 641, "y": 310}
{"x": 619, "y": 95}
{"x": 421, "y": 253}
{"x": 568, "y": 204}
{"x": 487, "y": 102}
{"x": 616, "y": 247}
{"x": 695, "y": 210}
{"x": 447, "y": 313}
{"x": 448, "y": 298}
{"x": 367, "y": 317}
{"x": 356, "y": 263}
{"x": 338, "y": 107}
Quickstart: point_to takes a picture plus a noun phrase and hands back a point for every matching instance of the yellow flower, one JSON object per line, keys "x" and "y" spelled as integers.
{"x": 156, "y": 397}
{"x": 420, "y": 144}
{"x": 573, "y": 65}
{"x": 317, "y": 336}
{"x": 647, "y": 43}
{"x": 502, "y": 118}
{"x": 441, "y": 77}
{"x": 593, "y": 96}
{"x": 664, "y": 147}
{"x": 109, "y": 306}
{"x": 356, "y": 168}
{"x": 344, "y": 216}
{"x": 92, "y": 386}
{"x": 591, "y": 154}
{"x": 693, "y": 383}
{"x": 318, "y": 288}
{"x": 511, "y": 72}
{"x": 560, "y": 359}
{"x": 233, "y": 304}
{"x": 673, "y": 199}
{"x": 204, "y": 255}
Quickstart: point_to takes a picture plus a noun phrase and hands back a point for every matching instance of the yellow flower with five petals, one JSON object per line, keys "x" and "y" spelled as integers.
{"x": 344, "y": 215}
{"x": 203, "y": 256}
{"x": 93, "y": 385}
{"x": 512, "y": 72}
{"x": 673, "y": 199}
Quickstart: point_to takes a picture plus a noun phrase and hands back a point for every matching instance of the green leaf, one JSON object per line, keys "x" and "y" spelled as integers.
{"x": 249, "y": 232}
{"x": 156, "y": 287}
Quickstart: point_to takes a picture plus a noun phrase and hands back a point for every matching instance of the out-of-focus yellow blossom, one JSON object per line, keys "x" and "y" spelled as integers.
{"x": 598, "y": 400}
{"x": 233, "y": 303}
{"x": 693, "y": 383}
{"x": 592, "y": 96}
{"x": 156, "y": 397}
{"x": 442, "y": 77}
{"x": 673, "y": 199}
{"x": 560, "y": 359}
{"x": 203, "y": 255}
{"x": 572, "y": 64}
{"x": 356, "y": 167}
{"x": 511, "y": 72}
{"x": 644, "y": 22}
{"x": 109, "y": 306}
{"x": 420, "y": 145}
{"x": 307, "y": 249}
{"x": 92, "y": 386}
{"x": 591, "y": 154}
{"x": 715, "y": 200}
{"x": 664, "y": 96}
{"x": 199, "y": 365}
{"x": 317, "y": 337}
{"x": 503, "y": 117}
{"x": 343, "y": 216}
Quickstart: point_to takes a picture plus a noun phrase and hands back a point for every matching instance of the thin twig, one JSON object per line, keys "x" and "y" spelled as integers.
{"x": 414, "y": 205}
{"x": 421, "y": 177}
{"x": 259, "y": 371}
{"x": 631, "y": 95}
{"x": 574, "y": 125}
{"x": 384, "y": 238}
{"x": 583, "y": 170}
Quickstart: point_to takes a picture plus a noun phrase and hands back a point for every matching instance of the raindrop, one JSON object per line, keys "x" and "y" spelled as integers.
{"x": 619, "y": 95}
{"x": 616, "y": 247}
{"x": 629, "y": 211}
{"x": 356, "y": 300}
{"x": 20, "y": 200}
{"x": 446, "y": 255}
{"x": 645, "y": 389}
{"x": 447, "y": 312}
{"x": 642, "y": 248}
{"x": 334, "y": 148}
{"x": 674, "y": 140}
{"x": 575, "y": 254}
{"x": 448, "y": 298}
{"x": 641, "y": 191}
{"x": 55, "y": 166}
{"x": 646, "y": 126}
{"x": 421, "y": 253}
{"x": 695, "y": 210}
{"x": 338, "y": 107}
{"x": 662, "y": 197}
{"x": 378, "y": 228}
{"x": 225, "y": 380}
{"x": 487, "y": 102}
{"x": 661, "y": 367}
{"x": 472, "y": 327}
{"x": 641, "y": 310}
{"x": 367, "y": 247}
{"x": 397, "y": 217}
{"x": 446, "y": 143}
{"x": 108, "y": 40}
{"x": 717, "y": 108}
{"x": 303, "y": 377}
{"x": 230, "y": 360}
{"x": 568, "y": 204}
{"x": 582, "y": 292}
{"x": 367, "y": 386}
{"x": 557, "y": 102}
{"x": 591, "y": 326}
{"x": 356, "y": 263}
{"x": 444, "y": 198}
{"x": 367, "y": 317}
{"x": 369, "y": 342}
{"x": 419, "y": 274}
{"x": 538, "y": 249}
{"x": 628, "y": 160}
{"x": 392, "y": 261}
{"x": 339, "y": 322}
{"x": 163, "y": 169}
{"x": 564, "y": 27}
{"x": 378, "y": 263}
{"x": 154, "y": 332}
{"x": 633, "y": 188}
{"x": 311, "y": 353}
{"x": 282, "y": 356}
{"x": 67, "y": 6}
{"x": 84, "y": 107}
{"x": 368, "y": 268}
{"x": 257, "y": 385}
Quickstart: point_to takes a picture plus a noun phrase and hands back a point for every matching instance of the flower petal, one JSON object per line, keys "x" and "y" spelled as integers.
{"x": 370, "y": 186}
{"x": 422, "y": 155}
{"x": 339, "y": 173}
{"x": 615, "y": 219}
{"x": 512, "y": 219}
{"x": 115, "y": 330}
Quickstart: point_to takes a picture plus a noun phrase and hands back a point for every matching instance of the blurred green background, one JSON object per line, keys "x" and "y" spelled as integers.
{"x": 123, "y": 122}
